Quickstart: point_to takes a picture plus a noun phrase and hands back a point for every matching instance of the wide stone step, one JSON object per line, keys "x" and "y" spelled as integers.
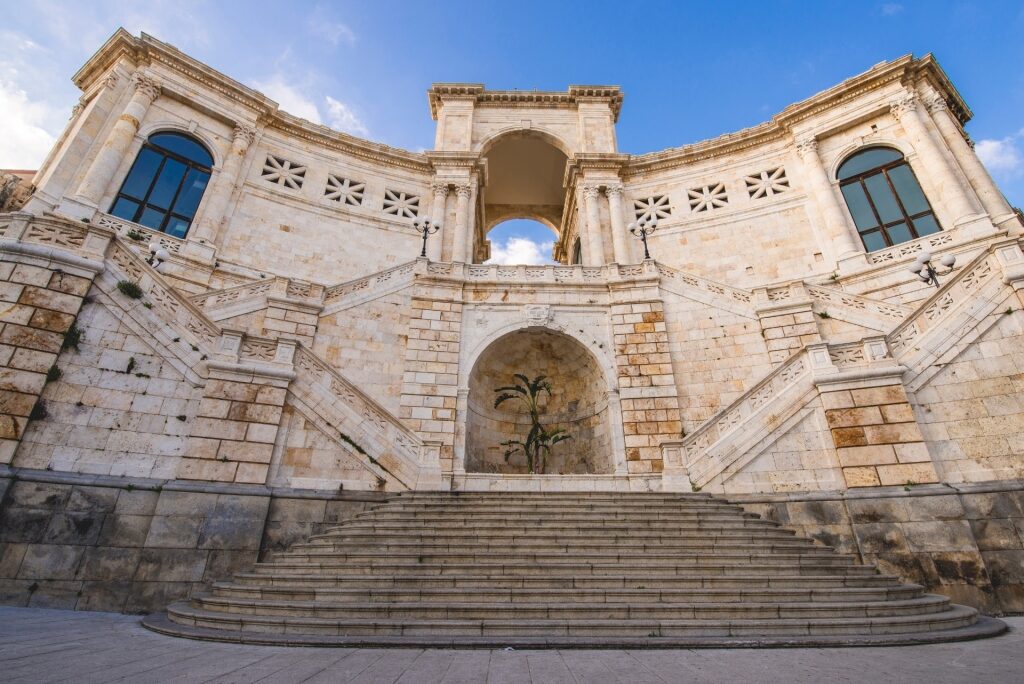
{"x": 739, "y": 578}
{"x": 512, "y": 537}
{"x": 590, "y": 548}
{"x": 420, "y": 609}
{"x": 520, "y": 596}
{"x": 956, "y": 616}
{"x": 541, "y": 509}
{"x": 638, "y": 513}
{"x": 564, "y": 525}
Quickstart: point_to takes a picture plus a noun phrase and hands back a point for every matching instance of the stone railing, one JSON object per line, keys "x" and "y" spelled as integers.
{"x": 699, "y": 283}
{"x": 237, "y": 293}
{"x": 905, "y": 249}
{"x": 126, "y": 229}
{"x": 884, "y": 310}
{"x": 536, "y": 274}
{"x": 360, "y": 421}
{"x": 361, "y": 289}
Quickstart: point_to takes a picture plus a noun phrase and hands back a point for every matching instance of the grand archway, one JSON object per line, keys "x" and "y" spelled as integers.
{"x": 578, "y": 403}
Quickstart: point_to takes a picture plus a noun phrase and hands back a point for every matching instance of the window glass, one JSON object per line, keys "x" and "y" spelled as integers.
{"x": 885, "y": 201}
{"x": 908, "y": 189}
{"x": 191, "y": 192}
{"x": 899, "y": 233}
{"x": 873, "y": 241}
{"x": 125, "y": 208}
{"x": 185, "y": 147}
{"x": 176, "y": 226}
{"x": 863, "y": 217}
{"x": 151, "y": 218}
{"x": 926, "y": 225}
{"x": 866, "y": 160}
{"x": 143, "y": 171}
{"x": 167, "y": 184}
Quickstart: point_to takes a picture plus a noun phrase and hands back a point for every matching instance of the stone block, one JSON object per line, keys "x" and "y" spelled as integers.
{"x": 136, "y": 502}
{"x": 23, "y": 524}
{"x": 235, "y": 506}
{"x": 866, "y": 455}
{"x": 51, "y": 561}
{"x": 297, "y": 509}
{"x": 37, "y": 495}
{"x": 197, "y": 504}
{"x": 848, "y": 437}
{"x": 993, "y": 505}
{"x": 897, "y": 413}
{"x": 11, "y": 555}
{"x": 153, "y": 596}
{"x": 57, "y": 594}
{"x": 174, "y": 531}
{"x": 882, "y": 537}
{"x": 105, "y": 563}
{"x": 73, "y": 527}
{"x": 124, "y": 530}
{"x": 853, "y": 417}
{"x": 211, "y": 471}
{"x": 251, "y": 473}
{"x": 892, "y": 433}
{"x": 109, "y": 596}
{"x": 222, "y": 564}
{"x": 874, "y": 396}
{"x": 816, "y": 513}
{"x": 961, "y": 567}
{"x": 944, "y": 535}
{"x": 92, "y": 499}
{"x": 996, "y": 535}
{"x": 231, "y": 533}
{"x": 171, "y": 565}
{"x": 904, "y": 473}
{"x": 913, "y": 452}
{"x": 860, "y": 477}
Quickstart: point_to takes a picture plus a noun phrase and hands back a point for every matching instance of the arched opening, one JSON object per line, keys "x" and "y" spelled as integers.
{"x": 525, "y": 174}
{"x": 521, "y": 241}
{"x": 165, "y": 184}
{"x": 884, "y": 198}
{"x": 578, "y": 403}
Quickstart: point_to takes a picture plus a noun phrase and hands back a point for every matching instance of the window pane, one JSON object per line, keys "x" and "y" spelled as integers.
{"x": 177, "y": 226}
{"x": 885, "y": 201}
{"x": 899, "y": 233}
{"x": 167, "y": 184}
{"x": 151, "y": 218}
{"x": 143, "y": 171}
{"x": 863, "y": 217}
{"x": 184, "y": 146}
{"x": 909, "y": 191}
{"x": 124, "y": 208}
{"x": 191, "y": 192}
{"x": 873, "y": 241}
{"x": 926, "y": 225}
{"x": 866, "y": 160}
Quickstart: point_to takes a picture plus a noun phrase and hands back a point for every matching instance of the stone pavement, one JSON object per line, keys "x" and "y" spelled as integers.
{"x": 40, "y": 645}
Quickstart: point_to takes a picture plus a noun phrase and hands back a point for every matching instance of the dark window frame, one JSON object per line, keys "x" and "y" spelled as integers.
{"x": 881, "y": 227}
{"x": 143, "y": 202}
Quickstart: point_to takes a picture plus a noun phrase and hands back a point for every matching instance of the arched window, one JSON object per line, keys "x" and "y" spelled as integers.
{"x": 577, "y": 252}
{"x": 166, "y": 183}
{"x": 885, "y": 198}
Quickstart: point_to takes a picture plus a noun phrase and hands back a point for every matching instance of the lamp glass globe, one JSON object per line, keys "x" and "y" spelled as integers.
{"x": 948, "y": 260}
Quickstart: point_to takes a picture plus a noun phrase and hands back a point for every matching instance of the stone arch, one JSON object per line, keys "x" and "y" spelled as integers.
{"x": 150, "y": 129}
{"x": 849, "y": 150}
{"x": 519, "y": 132}
{"x": 580, "y": 402}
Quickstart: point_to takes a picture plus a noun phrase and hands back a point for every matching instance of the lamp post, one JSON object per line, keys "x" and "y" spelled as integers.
{"x": 426, "y": 227}
{"x": 157, "y": 256}
{"x": 924, "y": 269}
{"x": 641, "y": 229}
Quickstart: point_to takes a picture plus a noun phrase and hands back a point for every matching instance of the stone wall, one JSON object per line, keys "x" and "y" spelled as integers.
{"x": 135, "y": 545}
{"x": 964, "y": 541}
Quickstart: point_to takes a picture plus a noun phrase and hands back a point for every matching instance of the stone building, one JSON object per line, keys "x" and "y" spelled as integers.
{"x": 285, "y": 357}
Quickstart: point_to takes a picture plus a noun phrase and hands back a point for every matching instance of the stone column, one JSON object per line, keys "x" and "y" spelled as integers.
{"x": 596, "y": 255}
{"x": 471, "y": 225}
{"x": 944, "y": 177}
{"x": 103, "y": 167}
{"x": 220, "y": 197}
{"x": 437, "y": 210}
{"x": 462, "y": 193}
{"x": 620, "y": 241}
{"x": 992, "y": 199}
{"x": 838, "y": 228}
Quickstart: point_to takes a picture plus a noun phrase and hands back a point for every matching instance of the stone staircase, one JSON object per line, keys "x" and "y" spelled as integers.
{"x": 563, "y": 570}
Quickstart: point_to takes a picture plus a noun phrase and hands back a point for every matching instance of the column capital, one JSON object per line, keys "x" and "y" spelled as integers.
{"x": 615, "y": 189}
{"x": 936, "y": 103}
{"x": 147, "y": 85}
{"x": 463, "y": 190}
{"x": 903, "y": 104}
{"x": 243, "y": 136}
{"x": 440, "y": 188}
{"x": 111, "y": 80}
{"x": 591, "y": 191}
{"x": 807, "y": 147}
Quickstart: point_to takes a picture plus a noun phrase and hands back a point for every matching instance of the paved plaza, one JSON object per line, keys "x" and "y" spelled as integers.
{"x": 39, "y": 645}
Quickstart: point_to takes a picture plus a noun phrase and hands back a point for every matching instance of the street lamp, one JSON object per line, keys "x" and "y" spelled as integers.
{"x": 924, "y": 269}
{"x": 641, "y": 229}
{"x": 426, "y": 227}
{"x": 157, "y": 256}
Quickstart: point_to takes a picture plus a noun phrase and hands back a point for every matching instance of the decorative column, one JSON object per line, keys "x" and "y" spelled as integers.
{"x": 215, "y": 212}
{"x": 437, "y": 209}
{"x": 620, "y": 241}
{"x": 945, "y": 181}
{"x": 992, "y": 199}
{"x": 837, "y": 227}
{"x": 103, "y": 167}
{"x": 470, "y": 232}
{"x": 590, "y": 195}
{"x": 463, "y": 241}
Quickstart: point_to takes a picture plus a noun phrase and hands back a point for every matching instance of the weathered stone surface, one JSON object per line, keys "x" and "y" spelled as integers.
{"x": 171, "y": 565}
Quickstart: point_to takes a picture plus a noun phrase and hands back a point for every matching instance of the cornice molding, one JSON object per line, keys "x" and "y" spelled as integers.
{"x": 573, "y": 96}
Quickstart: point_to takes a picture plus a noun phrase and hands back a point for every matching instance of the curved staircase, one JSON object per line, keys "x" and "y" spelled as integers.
{"x": 563, "y": 570}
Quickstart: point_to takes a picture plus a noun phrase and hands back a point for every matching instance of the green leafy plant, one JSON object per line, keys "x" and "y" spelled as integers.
{"x": 72, "y": 337}
{"x": 136, "y": 235}
{"x": 53, "y": 373}
{"x": 538, "y": 443}
{"x": 129, "y": 289}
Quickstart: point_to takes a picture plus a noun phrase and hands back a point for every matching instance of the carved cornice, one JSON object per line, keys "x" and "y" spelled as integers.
{"x": 479, "y": 95}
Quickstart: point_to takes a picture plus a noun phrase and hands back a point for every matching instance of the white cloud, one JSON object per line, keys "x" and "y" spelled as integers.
{"x": 24, "y": 144}
{"x": 334, "y": 32}
{"x": 1002, "y": 157}
{"x": 520, "y": 250}
{"x": 290, "y": 99}
{"x": 342, "y": 118}
{"x": 890, "y": 9}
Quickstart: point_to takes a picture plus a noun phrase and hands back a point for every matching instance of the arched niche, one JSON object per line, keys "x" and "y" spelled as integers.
{"x": 578, "y": 403}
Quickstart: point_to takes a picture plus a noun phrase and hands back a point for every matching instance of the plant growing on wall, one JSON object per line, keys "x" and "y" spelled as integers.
{"x": 538, "y": 443}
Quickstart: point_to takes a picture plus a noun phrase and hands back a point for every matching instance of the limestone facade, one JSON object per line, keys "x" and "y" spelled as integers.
{"x": 293, "y": 338}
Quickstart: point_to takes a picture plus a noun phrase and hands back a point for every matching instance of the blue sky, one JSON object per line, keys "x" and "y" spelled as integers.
{"x": 689, "y": 70}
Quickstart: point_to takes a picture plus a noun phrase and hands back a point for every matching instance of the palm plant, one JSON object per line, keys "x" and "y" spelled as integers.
{"x": 539, "y": 441}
